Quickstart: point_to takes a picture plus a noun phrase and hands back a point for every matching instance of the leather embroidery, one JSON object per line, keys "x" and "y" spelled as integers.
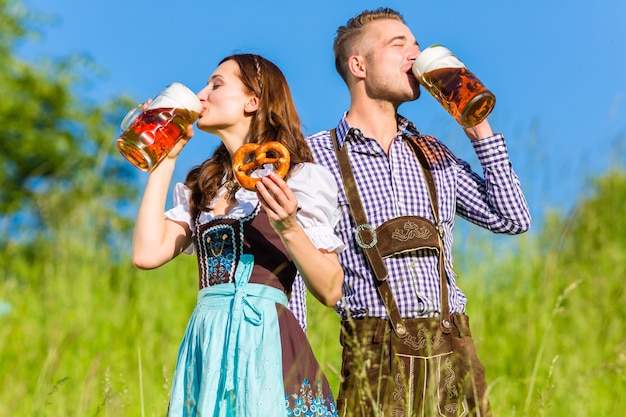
{"x": 411, "y": 231}
{"x": 424, "y": 340}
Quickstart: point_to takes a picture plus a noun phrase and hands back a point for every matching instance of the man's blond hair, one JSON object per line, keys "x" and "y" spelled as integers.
{"x": 348, "y": 35}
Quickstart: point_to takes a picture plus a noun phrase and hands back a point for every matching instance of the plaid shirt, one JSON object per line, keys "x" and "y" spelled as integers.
{"x": 393, "y": 185}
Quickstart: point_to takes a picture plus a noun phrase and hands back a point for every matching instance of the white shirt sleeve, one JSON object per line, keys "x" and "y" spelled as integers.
{"x": 316, "y": 191}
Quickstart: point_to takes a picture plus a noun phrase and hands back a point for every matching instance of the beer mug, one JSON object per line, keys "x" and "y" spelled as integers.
{"x": 454, "y": 86}
{"x": 148, "y": 135}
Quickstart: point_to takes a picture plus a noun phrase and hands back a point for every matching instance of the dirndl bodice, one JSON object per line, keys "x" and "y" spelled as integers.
{"x": 220, "y": 243}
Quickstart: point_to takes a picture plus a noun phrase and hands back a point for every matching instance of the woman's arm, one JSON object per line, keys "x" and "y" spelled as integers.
{"x": 157, "y": 240}
{"x": 320, "y": 269}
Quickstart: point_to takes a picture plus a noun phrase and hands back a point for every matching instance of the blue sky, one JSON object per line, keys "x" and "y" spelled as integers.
{"x": 556, "y": 68}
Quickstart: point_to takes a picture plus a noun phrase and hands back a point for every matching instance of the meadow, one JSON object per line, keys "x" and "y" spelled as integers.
{"x": 84, "y": 333}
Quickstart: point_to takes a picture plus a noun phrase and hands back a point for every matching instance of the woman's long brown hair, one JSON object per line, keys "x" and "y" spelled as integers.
{"x": 276, "y": 119}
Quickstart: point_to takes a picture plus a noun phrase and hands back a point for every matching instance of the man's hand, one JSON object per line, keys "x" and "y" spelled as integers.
{"x": 481, "y": 131}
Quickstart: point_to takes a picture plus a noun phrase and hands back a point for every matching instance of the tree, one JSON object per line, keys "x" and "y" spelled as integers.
{"x": 58, "y": 162}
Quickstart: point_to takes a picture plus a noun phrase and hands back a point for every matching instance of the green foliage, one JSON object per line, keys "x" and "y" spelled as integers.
{"x": 600, "y": 211}
{"x": 549, "y": 318}
{"x": 78, "y": 325}
{"x": 56, "y": 149}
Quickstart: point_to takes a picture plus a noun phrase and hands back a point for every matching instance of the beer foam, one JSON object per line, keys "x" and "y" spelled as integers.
{"x": 435, "y": 57}
{"x": 176, "y": 95}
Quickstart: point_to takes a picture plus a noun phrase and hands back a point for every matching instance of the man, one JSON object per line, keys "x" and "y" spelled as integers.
{"x": 410, "y": 354}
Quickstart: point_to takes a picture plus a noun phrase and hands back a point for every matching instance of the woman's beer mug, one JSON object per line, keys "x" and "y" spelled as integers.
{"x": 458, "y": 90}
{"x": 148, "y": 135}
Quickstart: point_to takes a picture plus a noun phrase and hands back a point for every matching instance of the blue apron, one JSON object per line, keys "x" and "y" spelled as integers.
{"x": 230, "y": 360}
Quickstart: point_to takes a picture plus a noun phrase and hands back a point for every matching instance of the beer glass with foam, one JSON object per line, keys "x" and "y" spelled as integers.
{"x": 454, "y": 86}
{"x": 148, "y": 135}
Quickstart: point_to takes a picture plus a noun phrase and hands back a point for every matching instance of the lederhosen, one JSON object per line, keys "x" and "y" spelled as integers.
{"x": 406, "y": 367}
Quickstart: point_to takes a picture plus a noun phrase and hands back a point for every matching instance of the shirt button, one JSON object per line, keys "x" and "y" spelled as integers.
{"x": 501, "y": 148}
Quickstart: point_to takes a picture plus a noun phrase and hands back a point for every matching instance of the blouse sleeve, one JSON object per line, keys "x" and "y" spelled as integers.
{"x": 318, "y": 213}
{"x": 181, "y": 212}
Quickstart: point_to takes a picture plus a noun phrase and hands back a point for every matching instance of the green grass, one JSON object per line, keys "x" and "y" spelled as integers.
{"x": 87, "y": 337}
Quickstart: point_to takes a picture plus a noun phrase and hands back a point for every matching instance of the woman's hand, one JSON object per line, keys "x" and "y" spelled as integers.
{"x": 175, "y": 151}
{"x": 279, "y": 202}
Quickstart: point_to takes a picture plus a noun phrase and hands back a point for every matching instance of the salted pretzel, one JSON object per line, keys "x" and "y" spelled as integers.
{"x": 259, "y": 153}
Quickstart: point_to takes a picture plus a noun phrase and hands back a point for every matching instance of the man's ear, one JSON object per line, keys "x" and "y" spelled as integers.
{"x": 252, "y": 105}
{"x": 356, "y": 65}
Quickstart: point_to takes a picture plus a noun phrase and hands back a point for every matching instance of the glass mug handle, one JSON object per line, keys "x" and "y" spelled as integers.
{"x": 130, "y": 116}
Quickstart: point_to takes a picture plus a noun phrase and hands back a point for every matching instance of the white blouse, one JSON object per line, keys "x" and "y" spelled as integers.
{"x": 313, "y": 186}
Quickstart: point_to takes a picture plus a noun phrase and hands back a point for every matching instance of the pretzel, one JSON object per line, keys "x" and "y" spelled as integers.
{"x": 242, "y": 170}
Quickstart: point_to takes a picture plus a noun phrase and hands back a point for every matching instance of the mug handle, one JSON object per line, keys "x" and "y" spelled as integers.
{"x": 130, "y": 116}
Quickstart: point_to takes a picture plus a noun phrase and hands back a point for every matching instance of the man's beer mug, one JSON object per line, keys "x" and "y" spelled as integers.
{"x": 148, "y": 135}
{"x": 458, "y": 90}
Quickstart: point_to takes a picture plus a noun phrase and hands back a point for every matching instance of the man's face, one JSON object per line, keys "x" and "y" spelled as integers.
{"x": 389, "y": 49}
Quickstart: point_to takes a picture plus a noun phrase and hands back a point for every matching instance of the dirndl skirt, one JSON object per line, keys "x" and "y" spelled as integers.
{"x": 230, "y": 361}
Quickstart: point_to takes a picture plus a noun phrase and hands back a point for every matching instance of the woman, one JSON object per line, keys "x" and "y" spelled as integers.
{"x": 244, "y": 353}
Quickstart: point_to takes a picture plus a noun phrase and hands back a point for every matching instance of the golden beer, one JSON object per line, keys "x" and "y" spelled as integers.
{"x": 152, "y": 135}
{"x": 454, "y": 86}
{"x": 148, "y": 135}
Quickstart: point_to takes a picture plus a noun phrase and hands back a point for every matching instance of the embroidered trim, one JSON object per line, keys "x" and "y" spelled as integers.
{"x": 310, "y": 402}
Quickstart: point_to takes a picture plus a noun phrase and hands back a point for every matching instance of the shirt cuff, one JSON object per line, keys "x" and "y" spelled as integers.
{"x": 491, "y": 151}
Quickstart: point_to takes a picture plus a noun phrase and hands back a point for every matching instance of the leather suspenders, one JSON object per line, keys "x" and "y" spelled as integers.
{"x": 378, "y": 243}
